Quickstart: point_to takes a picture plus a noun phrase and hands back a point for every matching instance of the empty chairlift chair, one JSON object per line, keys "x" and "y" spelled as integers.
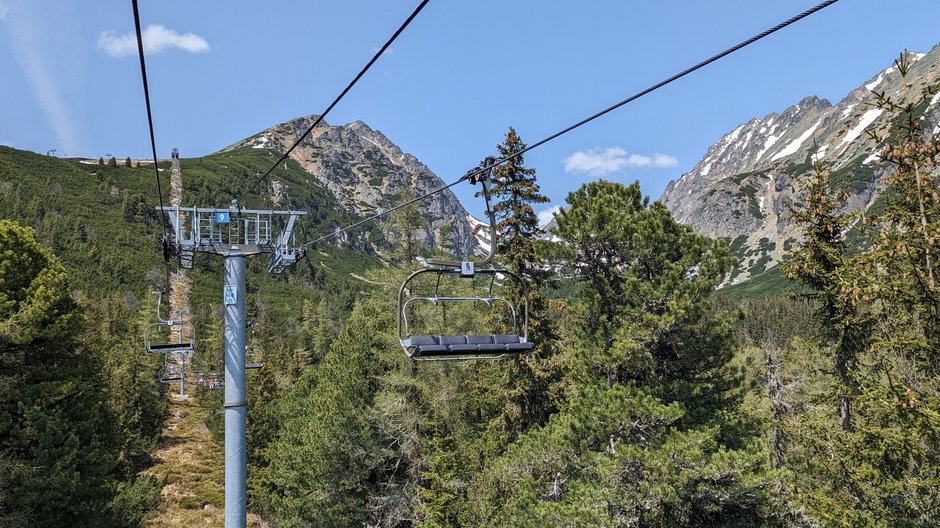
{"x": 482, "y": 343}
{"x": 174, "y": 336}
{"x": 252, "y": 361}
{"x": 170, "y": 374}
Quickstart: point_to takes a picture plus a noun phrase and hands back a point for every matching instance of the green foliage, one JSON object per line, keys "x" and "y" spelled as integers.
{"x": 325, "y": 442}
{"x": 880, "y": 465}
{"x": 133, "y": 500}
{"x": 409, "y": 224}
{"x": 51, "y": 419}
{"x": 644, "y": 437}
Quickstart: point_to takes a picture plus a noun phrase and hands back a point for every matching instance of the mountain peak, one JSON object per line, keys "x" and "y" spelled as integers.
{"x": 367, "y": 173}
{"x": 743, "y": 187}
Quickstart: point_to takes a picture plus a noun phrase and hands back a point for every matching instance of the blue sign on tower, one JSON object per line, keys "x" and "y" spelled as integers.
{"x": 221, "y": 217}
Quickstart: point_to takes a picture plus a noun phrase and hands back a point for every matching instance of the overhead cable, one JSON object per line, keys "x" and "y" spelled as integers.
{"x": 342, "y": 94}
{"x": 153, "y": 141}
{"x": 607, "y": 110}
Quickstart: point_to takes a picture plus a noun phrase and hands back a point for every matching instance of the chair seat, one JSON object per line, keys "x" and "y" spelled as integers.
{"x": 172, "y": 347}
{"x": 432, "y": 346}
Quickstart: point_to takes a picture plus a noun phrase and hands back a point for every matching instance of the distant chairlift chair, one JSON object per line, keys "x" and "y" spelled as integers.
{"x": 170, "y": 374}
{"x": 169, "y": 336}
{"x": 160, "y": 339}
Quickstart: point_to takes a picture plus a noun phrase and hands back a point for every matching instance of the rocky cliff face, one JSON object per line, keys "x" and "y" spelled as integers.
{"x": 367, "y": 173}
{"x": 743, "y": 188}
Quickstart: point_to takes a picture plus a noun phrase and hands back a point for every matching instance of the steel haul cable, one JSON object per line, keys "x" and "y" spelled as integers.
{"x": 153, "y": 142}
{"x": 605, "y": 111}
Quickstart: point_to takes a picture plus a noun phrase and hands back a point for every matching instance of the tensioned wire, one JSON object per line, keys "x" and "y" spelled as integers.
{"x": 153, "y": 141}
{"x": 605, "y": 111}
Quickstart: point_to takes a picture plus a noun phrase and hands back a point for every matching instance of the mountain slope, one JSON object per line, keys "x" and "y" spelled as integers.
{"x": 366, "y": 173}
{"x": 743, "y": 188}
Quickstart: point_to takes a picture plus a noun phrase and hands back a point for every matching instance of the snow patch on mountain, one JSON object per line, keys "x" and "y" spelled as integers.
{"x": 867, "y": 119}
{"x": 794, "y": 145}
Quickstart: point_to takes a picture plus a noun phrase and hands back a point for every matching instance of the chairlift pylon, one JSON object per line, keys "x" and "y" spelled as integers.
{"x": 477, "y": 345}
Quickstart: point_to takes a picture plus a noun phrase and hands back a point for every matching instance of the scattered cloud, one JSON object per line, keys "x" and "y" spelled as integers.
{"x": 4, "y": 9}
{"x": 545, "y": 215}
{"x": 596, "y": 162}
{"x": 375, "y": 49}
{"x": 7, "y": 143}
{"x": 601, "y": 162}
{"x": 662, "y": 161}
{"x": 156, "y": 38}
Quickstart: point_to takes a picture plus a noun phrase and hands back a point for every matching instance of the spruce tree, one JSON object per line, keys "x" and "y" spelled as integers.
{"x": 883, "y": 471}
{"x": 515, "y": 191}
{"x": 821, "y": 263}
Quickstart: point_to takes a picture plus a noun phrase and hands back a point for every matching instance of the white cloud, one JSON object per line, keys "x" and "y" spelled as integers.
{"x": 4, "y": 9}
{"x": 156, "y": 38}
{"x": 7, "y": 143}
{"x": 663, "y": 161}
{"x": 600, "y": 162}
{"x": 596, "y": 162}
{"x": 545, "y": 215}
{"x": 375, "y": 49}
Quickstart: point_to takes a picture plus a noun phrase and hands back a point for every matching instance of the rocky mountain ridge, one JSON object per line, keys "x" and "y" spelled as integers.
{"x": 744, "y": 186}
{"x": 367, "y": 173}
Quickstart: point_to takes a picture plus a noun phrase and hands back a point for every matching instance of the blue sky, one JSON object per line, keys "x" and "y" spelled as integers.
{"x": 452, "y": 84}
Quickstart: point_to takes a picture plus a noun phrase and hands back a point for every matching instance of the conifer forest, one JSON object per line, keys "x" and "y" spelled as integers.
{"x": 652, "y": 396}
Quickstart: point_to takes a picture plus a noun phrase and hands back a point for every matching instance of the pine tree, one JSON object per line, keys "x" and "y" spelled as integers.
{"x": 645, "y": 437}
{"x": 51, "y": 418}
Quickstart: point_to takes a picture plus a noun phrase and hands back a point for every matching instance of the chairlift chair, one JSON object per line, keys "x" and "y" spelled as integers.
{"x": 251, "y": 359}
{"x": 169, "y": 335}
{"x": 170, "y": 374}
{"x": 478, "y": 345}
{"x": 161, "y": 339}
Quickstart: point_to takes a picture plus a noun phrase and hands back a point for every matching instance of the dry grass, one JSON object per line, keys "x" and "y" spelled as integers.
{"x": 191, "y": 465}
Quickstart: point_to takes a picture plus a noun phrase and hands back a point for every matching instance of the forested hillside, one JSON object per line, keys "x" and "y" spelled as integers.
{"x": 648, "y": 400}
